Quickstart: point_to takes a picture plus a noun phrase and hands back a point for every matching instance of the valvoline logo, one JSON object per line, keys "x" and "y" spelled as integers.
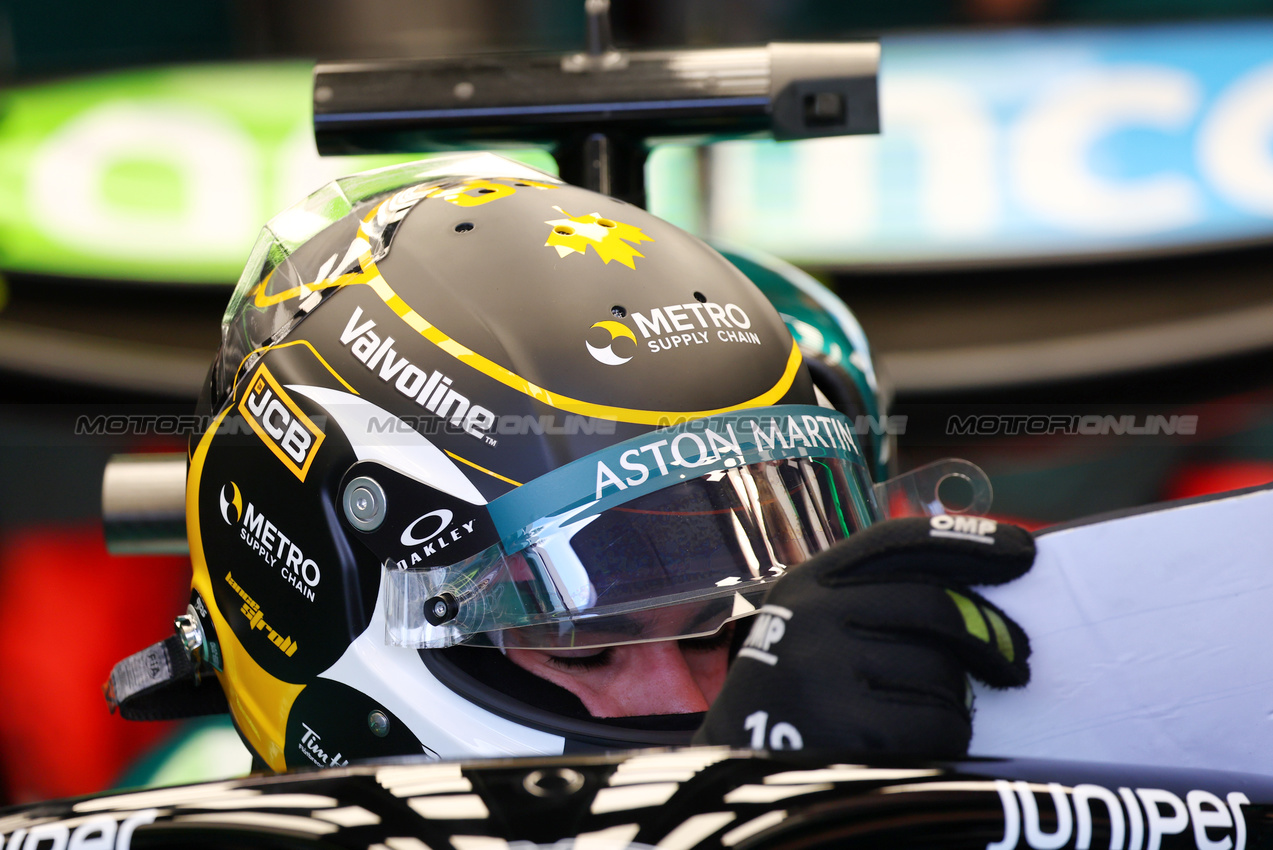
{"x": 276, "y": 548}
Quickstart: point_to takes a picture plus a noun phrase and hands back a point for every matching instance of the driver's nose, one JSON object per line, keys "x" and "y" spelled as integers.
{"x": 661, "y": 678}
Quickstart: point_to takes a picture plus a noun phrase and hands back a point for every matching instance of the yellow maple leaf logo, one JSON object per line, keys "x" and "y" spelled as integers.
{"x": 606, "y": 236}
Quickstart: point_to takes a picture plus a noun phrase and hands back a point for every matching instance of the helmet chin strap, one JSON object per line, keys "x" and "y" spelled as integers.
{"x": 163, "y": 682}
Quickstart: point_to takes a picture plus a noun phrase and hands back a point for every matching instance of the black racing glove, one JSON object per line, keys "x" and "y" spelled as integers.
{"x": 868, "y": 645}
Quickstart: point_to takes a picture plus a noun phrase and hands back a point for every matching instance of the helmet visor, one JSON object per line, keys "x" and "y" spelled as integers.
{"x": 277, "y": 289}
{"x": 677, "y": 533}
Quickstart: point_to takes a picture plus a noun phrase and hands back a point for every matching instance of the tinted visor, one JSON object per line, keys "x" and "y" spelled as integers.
{"x": 678, "y": 558}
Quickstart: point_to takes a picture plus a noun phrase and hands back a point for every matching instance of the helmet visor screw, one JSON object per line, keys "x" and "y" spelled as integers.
{"x": 364, "y": 503}
{"x": 378, "y": 723}
{"x": 439, "y": 609}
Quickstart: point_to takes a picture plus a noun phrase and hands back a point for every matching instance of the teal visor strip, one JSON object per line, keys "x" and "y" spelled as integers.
{"x": 622, "y": 472}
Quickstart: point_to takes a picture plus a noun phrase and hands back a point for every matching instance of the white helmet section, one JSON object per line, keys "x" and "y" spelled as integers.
{"x": 402, "y": 450}
{"x": 453, "y": 726}
{"x": 396, "y": 677}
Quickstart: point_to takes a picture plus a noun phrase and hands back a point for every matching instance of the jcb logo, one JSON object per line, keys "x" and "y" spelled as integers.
{"x": 280, "y": 424}
{"x": 770, "y": 626}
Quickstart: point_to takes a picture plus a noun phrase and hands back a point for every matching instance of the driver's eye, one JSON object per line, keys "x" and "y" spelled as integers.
{"x": 711, "y": 642}
{"x": 583, "y": 659}
{"x": 592, "y": 661}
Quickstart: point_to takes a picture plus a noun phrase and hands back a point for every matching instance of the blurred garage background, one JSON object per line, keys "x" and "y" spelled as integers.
{"x": 1058, "y": 247}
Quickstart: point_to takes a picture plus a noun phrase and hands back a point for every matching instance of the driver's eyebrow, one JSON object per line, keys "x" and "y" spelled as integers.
{"x": 625, "y": 627}
{"x": 707, "y": 612}
{"x": 621, "y": 625}
{"x": 628, "y": 625}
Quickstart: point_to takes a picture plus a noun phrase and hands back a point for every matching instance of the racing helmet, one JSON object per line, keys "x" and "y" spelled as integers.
{"x": 460, "y": 406}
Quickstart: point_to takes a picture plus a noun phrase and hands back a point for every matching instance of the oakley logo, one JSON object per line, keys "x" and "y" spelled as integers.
{"x": 605, "y": 353}
{"x": 443, "y": 517}
{"x": 441, "y": 534}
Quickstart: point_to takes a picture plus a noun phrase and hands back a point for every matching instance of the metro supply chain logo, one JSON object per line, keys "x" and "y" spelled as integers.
{"x": 274, "y": 416}
{"x": 432, "y": 391}
{"x": 671, "y": 327}
{"x": 268, "y": 540}
{"x": 1148, "y": 813}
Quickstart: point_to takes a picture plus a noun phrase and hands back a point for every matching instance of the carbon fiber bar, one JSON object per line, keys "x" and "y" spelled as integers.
{"x": 597, "y": 112}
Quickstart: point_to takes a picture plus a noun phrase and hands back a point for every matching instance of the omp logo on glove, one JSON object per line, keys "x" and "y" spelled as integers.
{"x": 972, "y": 528}
{"x": 770, "y": 626}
